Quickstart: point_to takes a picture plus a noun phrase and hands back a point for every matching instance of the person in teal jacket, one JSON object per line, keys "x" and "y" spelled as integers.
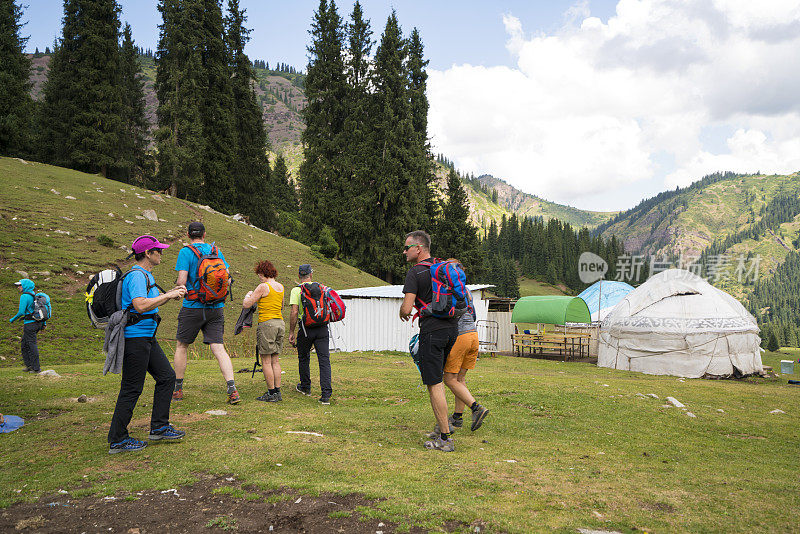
{"x": 30, "y": 328}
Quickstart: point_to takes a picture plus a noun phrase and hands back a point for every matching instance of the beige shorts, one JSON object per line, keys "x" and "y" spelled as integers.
{"x": 464, "y": 353}
{"x": 270, "y": 336}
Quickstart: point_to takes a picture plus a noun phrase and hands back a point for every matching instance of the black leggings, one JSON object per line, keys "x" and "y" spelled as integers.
{"x": 142, "y": 355}
{"x": 29, "y": 345}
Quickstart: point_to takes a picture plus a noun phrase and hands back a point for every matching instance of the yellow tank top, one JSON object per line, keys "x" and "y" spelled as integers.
{"x": 269, "y": 307}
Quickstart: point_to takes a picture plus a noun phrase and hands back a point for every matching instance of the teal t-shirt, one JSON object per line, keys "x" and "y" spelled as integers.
{"x": 187, "y": 261}
{"x": 133, "y": 286}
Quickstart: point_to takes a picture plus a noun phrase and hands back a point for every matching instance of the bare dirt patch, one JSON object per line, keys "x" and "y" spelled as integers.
{"x": 213, "y": 505}
{"x": 658, "y": 507}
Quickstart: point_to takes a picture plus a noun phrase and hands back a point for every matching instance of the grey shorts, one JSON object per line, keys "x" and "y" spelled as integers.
{"x": 270, "y": 336}
{"x": 192, "y": 320}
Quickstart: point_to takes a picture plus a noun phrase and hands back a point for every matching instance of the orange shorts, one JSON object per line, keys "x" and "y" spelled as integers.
{"x": 464, "y": 353}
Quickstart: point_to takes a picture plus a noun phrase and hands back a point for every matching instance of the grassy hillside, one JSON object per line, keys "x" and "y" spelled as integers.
{"x": 50, "y": 219}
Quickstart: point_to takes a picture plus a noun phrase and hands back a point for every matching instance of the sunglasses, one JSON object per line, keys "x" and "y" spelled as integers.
{"x": 406, "y": 247}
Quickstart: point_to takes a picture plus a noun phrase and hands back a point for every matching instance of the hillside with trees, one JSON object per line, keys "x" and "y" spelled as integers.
{"x": 741, "y": 231}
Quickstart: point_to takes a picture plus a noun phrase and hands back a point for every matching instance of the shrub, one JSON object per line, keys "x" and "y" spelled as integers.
{"x": 327, "y": 244}
{"x": 104, "y": 240}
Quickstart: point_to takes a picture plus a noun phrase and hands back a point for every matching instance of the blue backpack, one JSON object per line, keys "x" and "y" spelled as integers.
{"x": 450, "y": 293}
{"x": 42, "y": 311}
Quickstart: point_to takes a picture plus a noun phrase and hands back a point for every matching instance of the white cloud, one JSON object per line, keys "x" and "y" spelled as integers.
{"x": 588, "y": 107}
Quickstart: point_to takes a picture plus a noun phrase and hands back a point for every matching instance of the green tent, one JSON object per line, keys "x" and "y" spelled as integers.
{"x": 551, "y": 309}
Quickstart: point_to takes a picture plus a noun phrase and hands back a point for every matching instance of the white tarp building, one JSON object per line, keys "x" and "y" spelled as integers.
{"x": 678, "y": 324}
{"x": 372, "y": 320}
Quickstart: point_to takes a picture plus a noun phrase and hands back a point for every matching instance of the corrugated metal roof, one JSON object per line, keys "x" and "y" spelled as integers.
{"x": 389, "y": 292}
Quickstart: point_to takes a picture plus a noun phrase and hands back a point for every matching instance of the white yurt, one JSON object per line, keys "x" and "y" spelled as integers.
{"x": 678, "y": 324}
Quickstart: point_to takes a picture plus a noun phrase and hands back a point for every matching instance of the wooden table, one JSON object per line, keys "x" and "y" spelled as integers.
{"x": 567, "y": 345}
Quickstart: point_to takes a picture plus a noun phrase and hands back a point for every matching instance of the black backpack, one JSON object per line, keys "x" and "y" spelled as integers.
{"x": 104, "y": 297}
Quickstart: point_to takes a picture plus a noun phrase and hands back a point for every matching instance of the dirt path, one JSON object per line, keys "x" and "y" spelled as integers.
{"x": 779, "y": 240}
{"x": 197, "y": 508}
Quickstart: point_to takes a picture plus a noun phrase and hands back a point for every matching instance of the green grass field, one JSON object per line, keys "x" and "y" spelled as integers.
{"x": 567, "y": 445}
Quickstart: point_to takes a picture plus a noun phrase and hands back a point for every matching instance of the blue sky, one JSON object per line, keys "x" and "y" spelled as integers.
{"x": 596, "y": 104}
{"x": 453, "y": 32}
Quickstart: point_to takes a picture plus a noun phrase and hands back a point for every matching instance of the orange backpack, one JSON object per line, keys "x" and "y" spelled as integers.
{"x": 213, "y": 279}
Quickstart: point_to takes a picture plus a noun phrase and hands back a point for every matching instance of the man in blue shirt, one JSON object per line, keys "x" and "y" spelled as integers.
{"x": 196, "y": 316}
{"x": 30, "y": 328}
{"x": 143, "y": 355}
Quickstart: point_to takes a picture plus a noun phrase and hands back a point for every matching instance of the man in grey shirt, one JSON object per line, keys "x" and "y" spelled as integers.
{"x": 462, "y": 358}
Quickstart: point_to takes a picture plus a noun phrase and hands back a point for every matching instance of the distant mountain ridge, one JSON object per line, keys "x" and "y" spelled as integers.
{"x": 528, "y": 205}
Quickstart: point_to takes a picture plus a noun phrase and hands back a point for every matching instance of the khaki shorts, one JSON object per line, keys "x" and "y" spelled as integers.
{"x": 464, "y": 353}
{"x": 270, "y": 336}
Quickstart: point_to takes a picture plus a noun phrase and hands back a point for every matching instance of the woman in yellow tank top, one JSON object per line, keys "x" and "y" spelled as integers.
{"x": 269, "y": 334}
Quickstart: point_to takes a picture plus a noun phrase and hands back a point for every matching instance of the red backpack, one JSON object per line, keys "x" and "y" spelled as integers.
{"x": 336, "y": 305}
{"x": 321, "y": 305}
{"x": 213, "y": 279}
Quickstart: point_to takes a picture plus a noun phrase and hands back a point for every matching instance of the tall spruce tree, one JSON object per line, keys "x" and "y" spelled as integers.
{"x": 354, "y": 227}
{"x": 16, "y": 105}
{"x": 179, "y": 87}
{"x": 455, "y": 236}
{"x": 326, "y": 91}
{"x": 399, "y": 206}
{"x": 216, "y": 112}
{"x": 81, "y": 117}
{"x": 423, "y": 164}
{"x": 285, "y": 195}
{"x": 251, "y": 166}
{"x": 132, "y": 163}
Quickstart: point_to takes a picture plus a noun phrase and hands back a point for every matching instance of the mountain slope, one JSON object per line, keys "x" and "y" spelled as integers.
{"x": 723, "y": 219}
{"x": 527, "y": 205}
{"x": 50, "y": 222}
{"x": 280, "y": 95}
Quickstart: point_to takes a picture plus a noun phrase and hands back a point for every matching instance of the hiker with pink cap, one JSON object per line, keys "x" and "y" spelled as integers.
{"x": 142, "y": 354}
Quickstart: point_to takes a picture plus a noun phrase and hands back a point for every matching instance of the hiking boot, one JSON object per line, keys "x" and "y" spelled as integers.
{"x": 304, "y": 391}
{"x": 477, "y": 417}
{"x": 324, "y": 400}
{"x": 457, "y": 423}
{"x": 127, "y": 444}
{"x": 279, "y": 397}
{"x": 233, "y": 397}
{"x": 268, "y": 397}
{"x": 437, "y": 431}
{"x": 177, "y": 395}
{"x": 439, "y": 444}
{"x": 166, "y": 432}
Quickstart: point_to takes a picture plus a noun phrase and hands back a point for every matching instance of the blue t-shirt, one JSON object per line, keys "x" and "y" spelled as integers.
{"x": 133, "y": 286}
{"x": 187, "y": 261}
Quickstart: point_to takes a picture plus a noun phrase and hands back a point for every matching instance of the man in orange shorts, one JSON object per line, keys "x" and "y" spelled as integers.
{"x": 462, "y": 358}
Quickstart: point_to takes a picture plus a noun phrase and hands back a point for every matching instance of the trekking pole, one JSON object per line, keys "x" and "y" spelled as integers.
{"x": 257, "y": 364}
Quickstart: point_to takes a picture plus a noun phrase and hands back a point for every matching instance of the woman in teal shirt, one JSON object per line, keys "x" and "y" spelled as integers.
{"x": 30, "y": 329}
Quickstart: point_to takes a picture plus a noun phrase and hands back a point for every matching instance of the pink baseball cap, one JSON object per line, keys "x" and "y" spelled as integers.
{"x": 146, "y": 242}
